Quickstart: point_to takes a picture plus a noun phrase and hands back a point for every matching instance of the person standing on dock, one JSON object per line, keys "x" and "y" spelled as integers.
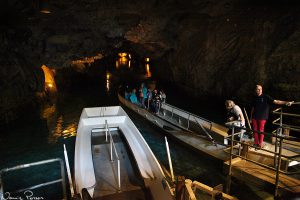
{"x": 260, "y": 113}
{"x": 234, "y": 113}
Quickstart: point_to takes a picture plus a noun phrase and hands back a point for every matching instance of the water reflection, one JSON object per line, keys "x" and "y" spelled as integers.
{"x": 70, "y": 130}
{"x": 148, "y": 72}
{"x": 108, "y": 81}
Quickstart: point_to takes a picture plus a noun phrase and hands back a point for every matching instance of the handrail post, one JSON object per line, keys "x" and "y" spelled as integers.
{"x": 1, "y": 187}
{"x": 68, "y": 171}
{"x": 230, "y": 162}
{"x": 169, "y": 159}
{"x": 276, "y": 147}
{"x": 63, "y": 182}
{"x": 172, "y": 113}
{"x": 231, "y": 151}
{"x": 111, "y": 148}
{"x": 106, "y": 130}
{"x": 119, "y": 175}
{"x": 278, "y": 168}
{"x": 188, "y": 122}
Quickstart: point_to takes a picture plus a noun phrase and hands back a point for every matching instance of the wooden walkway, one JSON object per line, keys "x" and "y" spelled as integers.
{"x": 248, "y": 171}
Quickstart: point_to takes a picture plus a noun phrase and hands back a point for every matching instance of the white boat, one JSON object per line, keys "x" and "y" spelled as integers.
{"x": 112, "y": 159}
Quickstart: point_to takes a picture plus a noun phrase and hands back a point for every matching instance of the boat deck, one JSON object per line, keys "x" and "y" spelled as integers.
{"x": 132, "y": 185}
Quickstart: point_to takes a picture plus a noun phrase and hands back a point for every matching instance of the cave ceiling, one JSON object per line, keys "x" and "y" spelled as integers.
{"x": 205, "y": 46}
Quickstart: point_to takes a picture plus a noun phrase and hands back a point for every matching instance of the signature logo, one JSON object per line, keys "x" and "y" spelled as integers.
{"x": 28, "y": 195}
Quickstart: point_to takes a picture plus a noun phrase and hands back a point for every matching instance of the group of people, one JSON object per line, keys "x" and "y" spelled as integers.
{"x": 146, "y": 98}
{"x": 260, "y": 108}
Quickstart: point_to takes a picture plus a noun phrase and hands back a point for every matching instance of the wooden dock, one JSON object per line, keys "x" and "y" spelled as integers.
{"x": 258, "y": 175}
{"x": 248, "y": 171}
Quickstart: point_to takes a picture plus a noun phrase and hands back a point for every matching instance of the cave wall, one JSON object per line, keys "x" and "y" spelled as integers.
{"x": 226, "y": 49}
{"x": 206, "y": 47}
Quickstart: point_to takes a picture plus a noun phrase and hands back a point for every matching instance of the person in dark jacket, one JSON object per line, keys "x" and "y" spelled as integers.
{"x": 260, "y": 113}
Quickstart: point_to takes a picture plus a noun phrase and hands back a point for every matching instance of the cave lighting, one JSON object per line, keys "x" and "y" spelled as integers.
{"x": 44, "y": 6}
{"x": 49, "y": 78}
{"x": 122, "y": 55}
{"x": 123, "y": 59}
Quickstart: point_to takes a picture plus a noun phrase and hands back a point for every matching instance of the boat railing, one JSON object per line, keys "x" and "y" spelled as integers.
{"x": 23, "y": 166}
{"x": 277, "y": 153}
{"x": 185, "y": 114}
{"x": 113, "y": 150}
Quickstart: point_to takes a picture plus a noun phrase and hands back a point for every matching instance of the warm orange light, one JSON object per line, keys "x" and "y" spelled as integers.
{"x": 148, "y": 72}
{"x": 117, "y": 64}
{"x": 49, "y": 78}
{"x": 122, "y": 54}
{"x": 123, "y": 61}
{"x": 45, "y": 11}
{"x": 88, "y": 60}
{"x": 147, "y": 59}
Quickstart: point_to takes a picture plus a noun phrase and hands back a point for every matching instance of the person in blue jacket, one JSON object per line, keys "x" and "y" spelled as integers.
{"x": 133, "y": 98}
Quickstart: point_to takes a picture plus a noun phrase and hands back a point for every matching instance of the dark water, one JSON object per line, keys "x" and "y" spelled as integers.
{"x": 41, "y": 136}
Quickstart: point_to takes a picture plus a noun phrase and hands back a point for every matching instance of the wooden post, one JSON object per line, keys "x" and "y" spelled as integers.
{"x": 180, "y": 184}
{"x": 245, "y": 150}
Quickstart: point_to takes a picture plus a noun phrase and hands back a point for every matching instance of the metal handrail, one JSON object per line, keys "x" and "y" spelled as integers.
{"x": 112, "y": 145}
{"x": 23, "y": 166}
{"x": 175, "y": 108}
{"x": 112, "y": 149}
{"x": 277, "y": 155}
{"x": 285, "y": 114}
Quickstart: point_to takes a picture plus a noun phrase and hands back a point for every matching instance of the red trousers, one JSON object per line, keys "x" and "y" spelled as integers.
{"x": 258, "y": 125}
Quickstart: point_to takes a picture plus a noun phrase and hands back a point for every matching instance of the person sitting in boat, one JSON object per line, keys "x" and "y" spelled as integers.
{"x": 142, "y": 94}
{"x": 156, "y": 101}
{"x": 133, "y": 98}
{"x": 163, "y": 96}
{"x": 127, "y": 93}
{"x": 149, "y": 98}
{"x": 144, "y": 90}
{"x": 234, "y": 113}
